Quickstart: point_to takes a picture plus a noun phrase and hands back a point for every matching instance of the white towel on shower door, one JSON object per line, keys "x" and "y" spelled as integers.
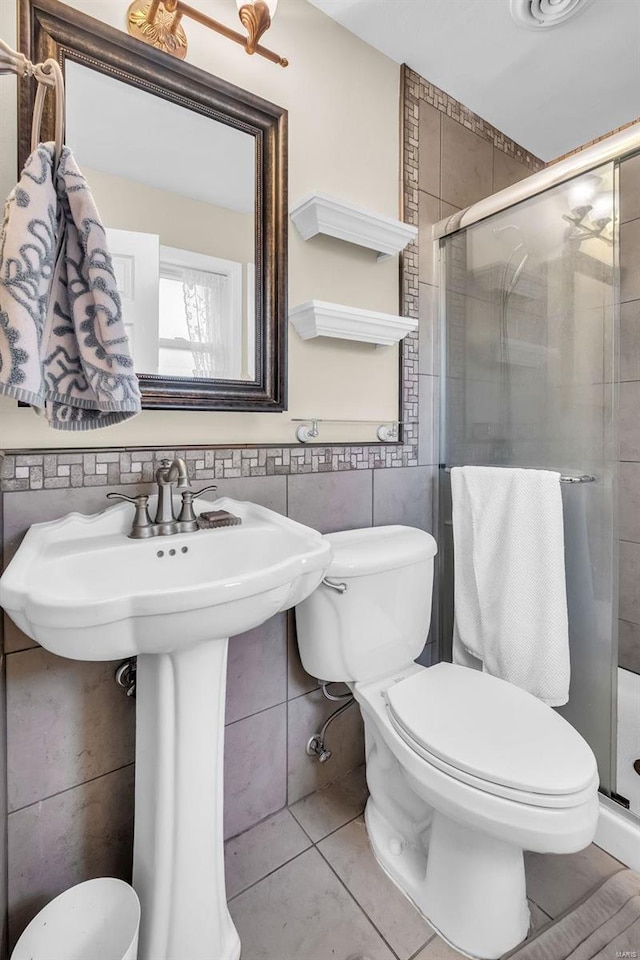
{"x": 510, "y": 588}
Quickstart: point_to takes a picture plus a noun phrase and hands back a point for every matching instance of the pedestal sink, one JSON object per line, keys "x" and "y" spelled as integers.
{"x": 82, "y": 589}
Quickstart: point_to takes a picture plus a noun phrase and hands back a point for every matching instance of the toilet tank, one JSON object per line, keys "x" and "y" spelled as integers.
{"x": 381, "y": 621}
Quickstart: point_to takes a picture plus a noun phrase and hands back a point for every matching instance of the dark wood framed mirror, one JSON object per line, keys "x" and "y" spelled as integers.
{"x": 190, "y": 176}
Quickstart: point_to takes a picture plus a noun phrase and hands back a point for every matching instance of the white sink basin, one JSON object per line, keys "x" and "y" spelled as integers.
{"x": 84, "y": 590}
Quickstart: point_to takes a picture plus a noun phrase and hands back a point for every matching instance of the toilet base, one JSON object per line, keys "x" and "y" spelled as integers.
{"x": 475, "y": 888}
{"x": 470, "y": 887}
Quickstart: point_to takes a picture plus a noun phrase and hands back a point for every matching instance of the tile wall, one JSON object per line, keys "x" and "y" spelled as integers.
{"x": 70, "y": 730}
{"x": 629, "y": 476}
{"x": 452, "y": 158}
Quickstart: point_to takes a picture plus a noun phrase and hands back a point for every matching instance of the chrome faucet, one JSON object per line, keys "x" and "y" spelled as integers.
{"x": 169, "y": 474}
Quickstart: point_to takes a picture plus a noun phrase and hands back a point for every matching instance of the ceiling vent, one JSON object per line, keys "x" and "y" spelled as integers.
{"x": 537, "y": 14}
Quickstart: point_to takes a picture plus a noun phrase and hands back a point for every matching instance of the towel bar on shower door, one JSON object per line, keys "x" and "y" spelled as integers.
{"x": 583, "y": 478}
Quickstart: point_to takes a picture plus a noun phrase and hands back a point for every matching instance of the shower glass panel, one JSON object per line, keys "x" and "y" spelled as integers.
{"x": 529, "y": 380}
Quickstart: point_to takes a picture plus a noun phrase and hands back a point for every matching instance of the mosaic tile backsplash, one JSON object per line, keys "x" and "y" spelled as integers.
{"x": 58, "y": 470}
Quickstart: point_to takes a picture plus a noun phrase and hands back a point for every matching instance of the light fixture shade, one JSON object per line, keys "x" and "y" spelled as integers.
{"x": 583, "y": 190}
{"x": 602, "y": 208}
{"x": 271, "y": 4}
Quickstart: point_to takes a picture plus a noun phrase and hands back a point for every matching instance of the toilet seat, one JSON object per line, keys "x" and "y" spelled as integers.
{"x": 548, "y": 801}
{"x": 492, "y": 735}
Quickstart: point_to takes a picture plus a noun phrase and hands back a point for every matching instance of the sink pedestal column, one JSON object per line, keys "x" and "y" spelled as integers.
{"x": 178, "y": 864}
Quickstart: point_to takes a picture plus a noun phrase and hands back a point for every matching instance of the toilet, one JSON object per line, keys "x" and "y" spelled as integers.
{"x": 465, "y": 771}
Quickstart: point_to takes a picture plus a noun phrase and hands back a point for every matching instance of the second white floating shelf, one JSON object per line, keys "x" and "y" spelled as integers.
{"x": 319, "y": 213}
{"x": 316, "y": 318}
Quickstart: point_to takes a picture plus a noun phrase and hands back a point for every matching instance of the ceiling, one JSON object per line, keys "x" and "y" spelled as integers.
{"x": 551, "y": 90}
{"x": 202, "y": 158}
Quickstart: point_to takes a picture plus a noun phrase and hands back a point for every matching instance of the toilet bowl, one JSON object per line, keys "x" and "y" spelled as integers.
{"x": 465, "y": 771}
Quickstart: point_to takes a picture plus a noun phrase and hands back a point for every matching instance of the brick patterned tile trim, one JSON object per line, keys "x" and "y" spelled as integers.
{"x": 416, "y": 88}
{"x": 52, "y": 470}
{"x": 409, "y": 259}
{"x": 591, "y": 143}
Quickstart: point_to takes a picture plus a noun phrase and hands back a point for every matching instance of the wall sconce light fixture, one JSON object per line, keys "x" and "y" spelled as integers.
{"x": 158, "y": 23}
{"x": 588, "y": 222}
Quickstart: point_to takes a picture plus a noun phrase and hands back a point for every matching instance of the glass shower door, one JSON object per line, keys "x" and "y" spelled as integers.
{"x": 529, "y": 380}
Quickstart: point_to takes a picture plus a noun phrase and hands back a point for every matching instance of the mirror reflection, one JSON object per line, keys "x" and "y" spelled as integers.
{"x": 176, "y": 192}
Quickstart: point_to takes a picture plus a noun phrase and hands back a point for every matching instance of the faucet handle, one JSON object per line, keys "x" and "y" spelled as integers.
{"x": 187, "y": 514}
{"x": 194, "y": 496}
{"x": 141, "y": 527}
{"x": 121, "y": 496}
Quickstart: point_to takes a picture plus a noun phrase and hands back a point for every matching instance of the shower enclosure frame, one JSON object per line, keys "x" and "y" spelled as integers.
{"x": 613, "y": 150}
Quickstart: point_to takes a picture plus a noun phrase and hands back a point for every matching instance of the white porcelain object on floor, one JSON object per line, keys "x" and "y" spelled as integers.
{"x": 84, "y": 590}
{"x": 99, "y": 919}
{"x": 465, "y": 771}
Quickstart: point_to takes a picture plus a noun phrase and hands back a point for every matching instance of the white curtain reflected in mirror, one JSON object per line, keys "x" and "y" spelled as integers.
{"x": 176, "y": 191}
{"x": 200, "y": 310}
{"x": 203, "y": 295}
{"x": 204, "y": 349}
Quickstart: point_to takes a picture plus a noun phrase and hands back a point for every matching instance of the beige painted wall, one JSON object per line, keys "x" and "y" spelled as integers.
{"x": 179, "y": 221}
{"x": 343, "y": 103}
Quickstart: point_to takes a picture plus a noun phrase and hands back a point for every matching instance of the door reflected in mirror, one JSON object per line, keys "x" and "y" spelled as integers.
{"x": 176, "y": 192}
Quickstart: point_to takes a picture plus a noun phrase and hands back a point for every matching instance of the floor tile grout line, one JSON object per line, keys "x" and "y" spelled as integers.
{"x": 297, "y": 697}
{"x": 73, "y": 786}
{"x": 312, "y": 842}
{"x": 10, "y": 653}
{"x": 333, "y": 832}
{"x": 289, "y": 808}
{"x": 337, "y": 829}
{"x": 357, "y": 903}
{"x": 536, "y": 904}
{"x": 328, "y": 787}
{"x": 306, "y": 832}
{"x": 256, "y": 714}
{"x": 271, "y": 872}
{"x": 315, "y": 844}
{"x": 243, "y": 833}
{"x": 425, "y": 944}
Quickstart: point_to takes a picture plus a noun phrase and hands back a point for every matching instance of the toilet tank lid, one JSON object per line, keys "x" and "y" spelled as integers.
{"x": 357, "y": 553}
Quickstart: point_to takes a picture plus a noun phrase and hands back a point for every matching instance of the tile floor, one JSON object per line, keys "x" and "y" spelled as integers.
{"x": 303, "y": 885}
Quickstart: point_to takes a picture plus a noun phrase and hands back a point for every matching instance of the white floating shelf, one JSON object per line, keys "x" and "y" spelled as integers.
{"x": 320, "y": 213}
{"x": 319, "y": 319}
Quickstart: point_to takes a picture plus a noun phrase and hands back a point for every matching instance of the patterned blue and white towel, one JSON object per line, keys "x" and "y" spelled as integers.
{"x": 63, "y": 345}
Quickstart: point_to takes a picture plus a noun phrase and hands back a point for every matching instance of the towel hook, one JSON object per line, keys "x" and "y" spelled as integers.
{"x": 49, "y": 74}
